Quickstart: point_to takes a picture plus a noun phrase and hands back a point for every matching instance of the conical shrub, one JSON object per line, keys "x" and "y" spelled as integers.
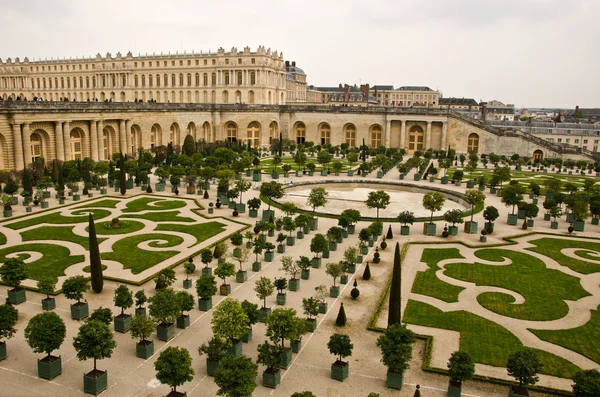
{"x": 394, "y": 314}
{"x": 367, "y": 273}
{"x": 340, "y": 321}
{"x": 95, "y": 263}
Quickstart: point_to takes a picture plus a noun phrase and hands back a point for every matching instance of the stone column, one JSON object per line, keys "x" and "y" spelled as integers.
{"x": 428, "y": 136}
{"x": 26, "y": 144}
{"x": 122, "y": 143}
{"x": 402, "y": 133}
{"x": 388, "y": 133}
{"x": 128, "y": 137}
{"x": 94, "y": 140}
{"x": 58, "y": 136}
{"x": 18, "y": 146}
{"x": 67, "y": 140}
{"x": 443, "y": 143}
{"x": 101, "y": 140}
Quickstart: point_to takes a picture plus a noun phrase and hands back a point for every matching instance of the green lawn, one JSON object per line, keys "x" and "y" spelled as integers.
{"x": 58, "y": 233}
{"x": 545, "y": 290}
{"x": 129, "y": 227}
{"x": 106, "y": 203}
{"x": 427, "y": 283}
{"x": 167, "y": 216}
{"x": 126, "y": 251}
{"x": 487, "y": 342}
{"x": 57, "y": 219}
{"x": 2, "y": 239}
{"x": 201, "y": 231}
{"x": 584, "y": 340}
{"x": 143, "y": 204}
{"x": 53, "y": 263}
{"x": 551, "y": 247}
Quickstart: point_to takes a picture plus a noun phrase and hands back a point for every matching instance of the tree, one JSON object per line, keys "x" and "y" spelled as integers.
{"x": 512, "y": 195}
{"x": 351, "y": 215}
{"x": 378, "y": 199}
{"x": 490, "y": 214}
{"x": 13, "y": 271}
{"x": 396, "y": 347}
{"x": 474, "y": 197}
{"x": 8, "y": 320}
{"x": 74, "y": 287}
{"x": 580, "y": 210}
{"x": 461, "y": 366}
{"x": 339, "y": 345}
{"x": 140, "y": 298}
{"x": 242, "y": 186}
{"x": 317, "y": 198}
{"x": 453, "y": 216}
{"x": 206, "y": 256}
{"x": 282, "y": 326}
{"x": 310, "y": 307}
{"x": 189, "y": 146}
{"x": 123, "y": 298}
{"x": 47, "y": 286}
{"x": 433, "y": 201}
{"x": 229, "y": 320}
{"x": 94, "y": 340}
{"x": 185, "y": 302}
{"x": 103, "y": 314}
{"x": 587, "y": 383}
{"x": 141, "y": 327}
{"x": 351, "y": 255}
{"x": 95, "y": 262}
{"x": 206, "y": 286}
{"x": 334, "y": 269}
{"x": 264, "y": 288}
{"x": 174, "y": 366}
{"x": 524, "y": 366}
{"x": 406, "y": 217}
{"x": 270, "y": 356}
{"x": 502, "y": 174}
{"x": 271, "y": 190}
{"x": 165, "y": 278}
{"x": 318, "y": 244}
{"x": 224, "y": 270}
{"x": 164, "y": 306}
{"x": 236, "y": 376}
{"x": 290, "y": 266}
{"x": 395, "y": 302}
{"x": 45, "y": 332}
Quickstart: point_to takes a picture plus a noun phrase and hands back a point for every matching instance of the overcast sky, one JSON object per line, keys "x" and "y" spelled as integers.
{"x": 533, "y": 53}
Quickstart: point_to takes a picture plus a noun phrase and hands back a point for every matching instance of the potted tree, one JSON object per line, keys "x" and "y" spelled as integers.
{"x": 270, "y": 356}
{"x": 224, "y": 270}
{"x": 555, "y": 212}
{"x": 12, "y": 272}
{"x": 454, "y": 216}
{"x": 165, "y": 278}
{"x": 94, "y": 340}
{"x": 270, "y": 190}
{"x": 587, "y": 382}
{"x": 123, "y": 298}
{"x": 406, "y": 218}
{"x": 396, "y": 351}
{"x": 236, "y": 376}
{"x": 316, "y": 198}
{"x": 311, "y": 309}
{"x": 206, "y": 287}
{"x": 334, "y": 236}
{"x": 230, "y": 322}
{"x": 512, "y": 195}
{"x": 174, "y": 368}
{"x": 251, "y": 310}
{"x": 44, "y": 333}
{"x": 140, "y": 300}
{"x": 365, "y": 237}
{"x": 206, "y": 257}
{"x": 8, "y": 320}
{"x": 283, "y": 325}
{"x": 47, "y": 286}
{"x": 335, "y": 270}
{"x": 264, "y": 288}
{"x": 215, "y": 350}
{"x": 188, "y": 268}
{"x": 219, "y": 251}
{"x": 339, "y": 345}
{"x": 531, "y": 211}
{"x": 291, "y": 268}
{"x": 257, "y": 249}
{"x": 580, "y": 214}
{"x": 241, "y": 256}
{"x": 254, "y": 205}
{"x": 164, "y": 308}
{"x": 318, "y": 244}
{"x": 275, "y": 161}
{"x": 351, "y": 217}
{"x": 185, "y": 303}
{"x": 304, "y": 264}
{"x": 378, "y": 199}
{"x": 269, "y": 255}
{"x": 73, "y": 288}
{"x": 524, "y": 366}
{"x": 351, "y": 258}
{"x": 141, "y": 328}
{"x": 321, "y": 294}
{"x": 473, "y": 198}
{"x": 490, "y": 214}
{"x": 281, "y": 285}
{"x": 302, "y": 223}
{"x": 461, "y": 368}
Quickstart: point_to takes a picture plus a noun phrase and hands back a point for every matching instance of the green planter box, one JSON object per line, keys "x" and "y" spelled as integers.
{"x": 379, "y": 174}
{"x": 231, "y": 205}
{"x": 159, "y": 187}
{"x": 17, "y": 296}
{"x": 515, "y": 391}
{"x": 280, "y": 248}
{"x": 595, "y": 221}
{"x": 351, "y": 229}
{"x": 48, "y": 304}
{"x": 570, "y": 218}
{"x": 314, "y": 223}
{"x": 267, "y": 214}
{"x": 299, "y": 173}
{"x": 454, "y": 389}
{"x": 274, "y": 175}
{"x": 45, "y": 205}
{"x": 489, "y": 227}
{"x": 103, "y": 191}
{"x": 286, "y": 358}
{"x": 364, "y": 250}
{"x": 241, "y": 207}
{"x": 256, "y": 266}
{"x": 144, "y": 349}
{"x": 205, "y": 304}
{"x": 165, "y": 332}
{"x": 271, "y": 380}
{"x": 401, "y": 177}
{"x": 344, "y": 279}
{"x": 290, "y": 241}
{"x": 140, "y": 311}
{"x": 225, "y": 289}
{"x": 444, "y": 180}
{"x": 241, "y": 276}
{"x": 351, "y": 268}
{"x": 417, "y": 177}
{"x": 554, "y": 225}
{"x": 521, "y": 214}
{"x": 333, "y": 246}
{"x": 49, "y": 367}
{"x": 247, "y": 337}
{"x": 315, "y": 263}
{"x": 211, "y": 367}
{"x": 470, "y": 185}
{"x": 429, "y": 229}
{"x": 294, "y": 284}
{"x": 305, "y": 274}
{"x": 122, "y": 322}
{"x": 323, "y": 172}
{"x": 456, "y": 183}
{"x": 183, "y": 321}
{"x": 211, "y": 210}
{"x": 2, "y": 350}
{"x": 323, "y": 308}
{"x": 271, "y": 233}
{"x": 530, "y": 223}
{"x": 253, "y": 213}
{"x": 296, "y": 346}
{"x": 207, "y": 271}
{"x": 249, "y": 172}
{"x": 547, "y": 217}
{"x": 236, "y": 349}
{"x": 281, "y": 299}
{"x": 512, "y": 219}
{"x": 95, "y": 382}
{"x": 483, "y": 239}
{"x": 299, "y": 234}
{"x": 7, "y": 213}
{"x": 257, "y": 177}
{"x": 453, "y": 230}
{"x": 311, "y": 324}
{"x": 263, "y": 313}
{"x": 578, "y": 226}
{"x": 371, "y": 242}
{"x": 187, "y": 284}
{"x": 481, "y": 188}
{"x": 340, "y": 370}
{"x": 80, "y": 310}
{"x": 269, "y": 256}
{"x": 76, "y": 197}
{"x": 394, "y": 380}
{"x": 350, "y": 173}
{"x": 471, "y": 227}
{"x": 334, "y": 292}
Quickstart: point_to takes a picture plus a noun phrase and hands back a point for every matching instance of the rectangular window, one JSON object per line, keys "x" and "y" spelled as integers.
{"x": 189, "y": 62}
{"x": 576, "y": 140}
{"x": 595, "y": 148}
{"x": 135, "y": 64}
{"x": 197, "y": 62}
{"x": 239, "y": 61}
{"x": 559, "y": 140}
{"x": 585, "y": 141}
{"x": 205, "y": 62}
{"x": 214, "y": 62}
{"x": 143, "y": 64}
{"x": 165, "y": 64}
{"x": 180, "y": 63}
{"x": 568, "y": 140}
{"x": 585, "y": 148}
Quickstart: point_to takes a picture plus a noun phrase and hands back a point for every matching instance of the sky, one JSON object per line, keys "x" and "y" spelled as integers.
{"x": 531, "y": 53}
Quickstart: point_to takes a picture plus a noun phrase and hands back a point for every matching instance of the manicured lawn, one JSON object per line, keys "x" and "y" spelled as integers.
{"x": 487, "y": 342}
{"x": 153, "y": 204}
{"x": 106, "y": 229}
{"x": 106, "y": 203}
{"x": 53, "y": 263}
{"x": 58, "y": 233}
{"x": 201, "y": 231}
{"x": 427, "y": 283}
{"x": 545, "y": 290}
{"x": 2, "y": 239}
{"x": 127, "y": 252}
{"x": 551, "y": 247}
{"x": 584, "y": 340}
{"x": 167, "y": 216}
{"x": 57, "y": 219}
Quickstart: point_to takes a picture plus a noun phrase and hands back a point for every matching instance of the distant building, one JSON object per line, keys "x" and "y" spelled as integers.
{"x": 580, "y": 115}
{"x": 343, "y": 95}
{"x": 295, "y": 83}
{"x": 459, "y": 103}
{"x": 387, "y": 95}
{"x": 498, "y": 111}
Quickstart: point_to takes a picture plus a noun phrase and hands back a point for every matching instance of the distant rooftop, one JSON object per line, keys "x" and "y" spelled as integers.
{"x": 458, "y": 101}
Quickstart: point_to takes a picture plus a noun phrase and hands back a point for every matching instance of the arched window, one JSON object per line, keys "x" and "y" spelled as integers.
{"x": 254, "y": 134}
{"x": 206, "y": 131}
{"x": 181, "y": 79}
{"x": 473, "y": 143}
{"x": 173, "y": 81}
{"x": 143, "y": 80}
{"x": 238, "y": 97}
{"x": 375, "y": 136}
{"x": 174, "y": 134}
{"x": 226, "y": 78}
{"x": 189, "y": 79}
{"x": 416, "y": 138}
{"x": 135, "y": 80}
{"x": 350, "y": 133}
{"x": 165, "y": 80}
{"x": 325, "y": 133}
{"x": 251, "y": 97}
{"x": 106, "y": 144}
{"x": 273, "y": 131}
{"x": 76, "y": 149}
{"x": 538, "y": 155}
{"x": 205, "y": 79}
{"x": 300, "y": 133}
{"x": 239, "y": 78}
{"x": 87, "y": 82}
{"x": 155, "y": 136}
{"x": 225, "y": 97}
{"x": 36, "y": 147}
{"x": 213, "y": 79}
{"x": 124, "y": 80}
{"x": 150, "y": 80}
{"x": 158, "y": 80}
{"x": 231, "y": 130}
{"x": 197, "y": 79}
{"x": 252, "y": 78}
{"x": 213, "y": 96}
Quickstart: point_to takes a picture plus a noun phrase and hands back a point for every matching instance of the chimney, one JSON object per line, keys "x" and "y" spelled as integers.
{"x": 345, "y": 92}
{"x": 340, "y": 85}
{"x": 287, "y": 64}
{"x": 293, "y": 63}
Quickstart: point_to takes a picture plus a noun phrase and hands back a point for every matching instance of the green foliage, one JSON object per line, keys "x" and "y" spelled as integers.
{"x": 339, "y": 345}
{"x": 269, "y": 355}
{"x": 140, "y": 298}
{"x": 185, "y": 302}
{"x": 317, "y": 197}
{"x": 474, "y": 197}
{"x": 271, "y": 190}
{"x": 229, "y": 320}
{"x": 378, "y": 199}
{"x": 74, "y": 287}
{"x": 406, "y": 217}
{"x": 587, "y": 383}
{"x": 236, "y": 376}
{"x": 310, "y": 307}
{"x": 524, "y": 366}
{"x": 189, "y": 146}
{"x": 123, "y": 297}
{"x": 103, "y": 314}
{"x": 165, "y": 278}
{"x": 13, "y": 271}
{"x": 8, "y": 319}
{"x": 251, "y": 310}
{"x": 490, "y": 213}
{"x": 215, "y": 349}
{"x": 461, "y": 366}
{"x": 396, "y": 347}
{"x": 94, "y": 340}
{"x": 282, "y": 325}
{"x": 334, "y": 269}
{"x": 318, "y": 244}
{"x": 394, "y": 311}
{"x": 224, "y": 270}
{"x": 46, "y": 286}
{"x": 174, "y": 366}
{"x": 142, "y": 327}
{"x": 164, "y": 306}
{"x": 95, "y": 263}
{"x": 433, "y": 201}
{"x": 206, "y": 286}
{"x": 264, "y": 288}
{"x": 512, "y": 195}
{"x": 453, "y": 216}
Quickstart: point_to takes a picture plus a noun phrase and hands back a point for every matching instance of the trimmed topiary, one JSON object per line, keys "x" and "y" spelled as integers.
{"x": 340, "y": 321}
{"x": 367, "y": 273}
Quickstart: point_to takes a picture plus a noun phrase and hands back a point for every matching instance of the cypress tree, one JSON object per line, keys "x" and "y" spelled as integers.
{"x": 55, "y": 170}
{"x": 340, "y": 321}
{"x": 364, "y": 152}
{"x": 95, "y": 264}
{"x": 389, "y": 235}
{"x": 122, "y": 181}
{"x": 280, "y": 144}
{"x": 61, "y": 180}
{"x": 27, "y": 181}
{"x": 367, "y": 273}
{"x": 394, "y": 314}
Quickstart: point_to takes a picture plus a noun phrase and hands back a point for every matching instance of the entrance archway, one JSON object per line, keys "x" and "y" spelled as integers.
{"x": 416, "y": 137}
{"x": 76, "y": 144}
{"x": 254, "y": 134}
{"x": 473, "y": 143}
{"x": 537, "y": 155}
